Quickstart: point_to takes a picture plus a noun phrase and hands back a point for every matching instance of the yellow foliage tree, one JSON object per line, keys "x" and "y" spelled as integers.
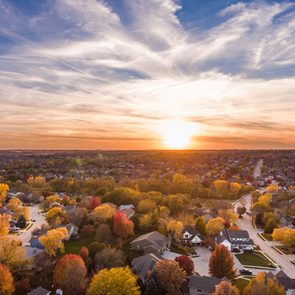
{"x": 3, "y": 189}
{"x": 265, "y": 199}
{"x": 14, "y": 203}
{"x": 52, "y": 199}
{"x": 263, "y": 285}
{"x": 221, "y": 187}
{"x": 11, "y": 251}
{"x": 52, "y": 241}
{"x": 273, "y": 188}
{"x": 175, "y": 228}
{"x": 4, "y": 224}
{"x": 103, "y": 213}
{"x": 114, "y": 281}
{"x": 215, "y": 226}
{"x": 55, "y": 216}
{"x": 235, "y": 187}
{"x": 285, "y": 235}
{"x": 145, "y": 206}
{"x": 228, "y": 215}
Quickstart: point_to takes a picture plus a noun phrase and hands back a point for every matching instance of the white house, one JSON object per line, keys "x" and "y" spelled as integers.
{"x": 235, "y": 239}
{"x": 190, "y": 235}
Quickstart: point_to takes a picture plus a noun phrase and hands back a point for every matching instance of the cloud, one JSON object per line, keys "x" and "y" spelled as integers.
{"x": 79, "y": 71}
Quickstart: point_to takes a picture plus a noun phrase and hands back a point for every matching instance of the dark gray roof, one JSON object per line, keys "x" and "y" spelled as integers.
{"x": 236, "y": 234}
{"x": 38, "y": 291}
{"x": 153, "y": 239}
{"x": 143, "y": 264}
{"x": 190, "y": 229}
{"x": 206, "y": 284}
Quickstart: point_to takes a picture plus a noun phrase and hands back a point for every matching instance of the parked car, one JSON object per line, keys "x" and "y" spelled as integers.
{"x": 245, "y": 271}
{"x": 236, "y": 250}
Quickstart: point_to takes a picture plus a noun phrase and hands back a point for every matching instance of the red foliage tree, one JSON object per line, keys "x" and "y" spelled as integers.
{"x": 95, "y": 202}
{"x": 84, "y": 253}
{"x": 186, "y": 264}
{"x": 69, "y": 274}
{"x": 123, "y": 227}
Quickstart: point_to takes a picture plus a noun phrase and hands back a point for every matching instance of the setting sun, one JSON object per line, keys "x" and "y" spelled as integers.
{"x": 176, "y": 134}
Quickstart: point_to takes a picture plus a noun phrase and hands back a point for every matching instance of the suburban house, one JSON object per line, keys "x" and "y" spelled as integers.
{"x": 144, "y": 265}
{"x": 235, "y": 239}
{"x": 191, "y": 237}
{"x": 197, "y": 285}
{"x": 285, "y": 281}
{"x": 152, "y": 242}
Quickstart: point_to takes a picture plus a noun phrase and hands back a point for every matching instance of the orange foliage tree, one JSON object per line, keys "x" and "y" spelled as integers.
{"x": 6, "y": 281}
{"x": 123, "y": 227}
{"x": 221, "y": 263}
{"x": 69, "y": 274}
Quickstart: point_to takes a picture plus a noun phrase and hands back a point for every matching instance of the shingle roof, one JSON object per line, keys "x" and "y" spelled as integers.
{"x": 38, "y": 291}
{"x": 206, "y": 284}
{"x": 154, "y": 239}
{"x": 142, "y": 264}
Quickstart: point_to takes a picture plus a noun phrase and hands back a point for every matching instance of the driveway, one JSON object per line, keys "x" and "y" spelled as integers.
{"x": 25, "y": 236}
{"x": 284, "y": 261}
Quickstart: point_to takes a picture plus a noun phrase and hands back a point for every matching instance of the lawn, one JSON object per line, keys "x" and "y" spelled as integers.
{"x": 75, "y": 246}
{"x": 286, "y": 250}
{"x": 241, "y": 283}
{"x": 254, "y": 259}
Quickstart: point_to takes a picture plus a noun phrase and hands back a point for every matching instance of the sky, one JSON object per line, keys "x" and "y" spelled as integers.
{"x": 86, "y": 74}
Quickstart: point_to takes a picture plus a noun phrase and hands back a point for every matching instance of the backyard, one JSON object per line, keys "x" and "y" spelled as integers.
{"x": 254, "y": 259}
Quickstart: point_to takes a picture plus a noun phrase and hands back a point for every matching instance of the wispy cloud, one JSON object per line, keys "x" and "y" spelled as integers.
{"x": 77, "y": 69}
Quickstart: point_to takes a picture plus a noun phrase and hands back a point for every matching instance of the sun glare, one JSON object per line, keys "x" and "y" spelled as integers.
{"x": 176, "y": 134}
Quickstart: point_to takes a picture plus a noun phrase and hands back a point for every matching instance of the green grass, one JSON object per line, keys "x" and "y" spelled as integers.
{"x": 254, "y": 259}
{"x": 241, "y": 283}
{"x": 286, "y": 250}
{"x": 268, "y": 237}
{"x": 75, "y": 246}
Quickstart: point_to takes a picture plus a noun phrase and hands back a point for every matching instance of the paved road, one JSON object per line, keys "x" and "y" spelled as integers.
{"x": 257, "y": 170}
{"x": 25, "y": 236}
{"x": 284, "y": 261}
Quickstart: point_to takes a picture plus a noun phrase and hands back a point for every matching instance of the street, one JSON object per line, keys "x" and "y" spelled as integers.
{"x": 25, "y": 235}
{"x": 245, "y": 223}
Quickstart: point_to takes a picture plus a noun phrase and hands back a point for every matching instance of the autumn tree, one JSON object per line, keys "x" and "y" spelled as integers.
{"x": 104, "y": 233}
{"x": 108, "y": 258}
{"x": 174, "y": 228}
{"x": 4, "y": 224}
{"x": 170, "y": 275}
{"x": 69, "y": 274}
{"x": 221, "y": 187}
{"x": 103, "y": 213}
{"x": 84, "y": 253}
{"x": 52, "y": 241}
{"x": 11, "y": 251}
{"x": 146, "y": 205}
{"x": 123, "y": 227}
{"x": 176, "y": 203}
{"x": 235, "y": 188}
{"x": 149, "y": 221}
{"x": 261, "y": 284}
{"x": 6, "y": 281}
{"x": 55, "y": 216}
{"x": 200, "y": 225}
{"x": 95, "y": 202}
{"x": 221, "y": 263}
{"x": 113, "y": 282}
{"x": 215, "y": 226}
{"x": 226, "y": 288}
{"x": 228, "y": 216}
{"x": 186, "y": 264}
{"x": 14, "y": 203}
{"x": 52, "y": 199}
{"x": 3, "y": 190}
{"x": 285, "y": 235}
{"x": 273, "y": 188}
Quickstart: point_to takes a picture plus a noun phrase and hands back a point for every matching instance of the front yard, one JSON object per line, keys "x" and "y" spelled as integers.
{"x": 254, "y": 259}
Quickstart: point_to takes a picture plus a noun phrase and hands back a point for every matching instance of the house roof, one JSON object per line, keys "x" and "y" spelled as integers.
{"x": 235, "y": 234}
{"x": 153, "y": 239}
{"x": 206, "y": 284}
{"x": 190, "y": 230}
{"x": 143, "y": 264}
{"x": 283, "y": 280}
{"x": 39, "y": 291}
